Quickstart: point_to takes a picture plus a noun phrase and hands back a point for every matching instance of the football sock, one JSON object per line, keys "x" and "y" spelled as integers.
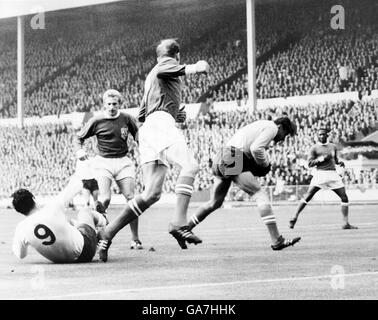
{"x": 270, "y": 221}
{"x": 134, "y": 229}
{"x": 133, "y": 209}
{"x": 199, "y": 216}
{"x": 134, "y": 225}
{"x": 301, "y": 206}
{"x": 345, "y": 211}
{"x": 184, "y": 190}
{"x": 99, "y": 219}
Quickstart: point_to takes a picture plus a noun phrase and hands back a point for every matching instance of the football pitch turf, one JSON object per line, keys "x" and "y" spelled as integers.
{"x": 234, "y": 261}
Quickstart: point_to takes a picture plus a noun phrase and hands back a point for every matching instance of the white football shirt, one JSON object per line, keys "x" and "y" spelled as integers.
{"x": 253, "y": 139}
{"x": 50, "y": 234}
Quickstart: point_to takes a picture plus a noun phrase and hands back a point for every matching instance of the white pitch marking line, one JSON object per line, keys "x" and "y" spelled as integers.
{"x": 199, "y": 285}
{"x": 299, "y": 228}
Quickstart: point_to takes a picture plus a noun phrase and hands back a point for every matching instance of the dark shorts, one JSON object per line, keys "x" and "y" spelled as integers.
{"x": 90, "y": 243}
{"x": 90, "y": 185}
{"x": 230, "y": 162}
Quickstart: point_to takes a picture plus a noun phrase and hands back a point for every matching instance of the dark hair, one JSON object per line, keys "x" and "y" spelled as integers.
{"x": 287, "y": 124}
{"x": 23, "y": 201}
{"x": 167, "y": 48}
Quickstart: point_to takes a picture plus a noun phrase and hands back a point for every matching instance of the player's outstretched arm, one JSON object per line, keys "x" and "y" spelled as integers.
{"x": 87, "y": 131}
{"x": 200, "y": 67}
{"x": 19, "y": 245}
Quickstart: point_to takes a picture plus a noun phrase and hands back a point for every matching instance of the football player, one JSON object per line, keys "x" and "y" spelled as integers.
{"x": 112, "y": 129}
{"x": 323, "y": 158}
{"x": 242, "y": 161}
{"x": 47, "y": 230}
{"x": 160, "y": 144}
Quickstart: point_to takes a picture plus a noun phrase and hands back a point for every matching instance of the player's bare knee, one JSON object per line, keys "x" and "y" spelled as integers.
{"x": 129, "y": 196}
{"x": 152, "y": 196}
{"x": 262, "y": 201}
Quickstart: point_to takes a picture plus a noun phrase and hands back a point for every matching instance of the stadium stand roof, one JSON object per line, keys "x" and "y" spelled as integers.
{"x": 13, "y": 8}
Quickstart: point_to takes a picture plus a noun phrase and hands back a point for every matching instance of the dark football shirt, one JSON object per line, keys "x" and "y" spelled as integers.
{"x": 328, "y": 151}
{"x": 111, "y": 134}
{"x": 162, "y": 89}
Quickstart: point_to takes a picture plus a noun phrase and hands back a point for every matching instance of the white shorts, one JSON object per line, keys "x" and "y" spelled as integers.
{"x": 117, "y": 168}
{"x": 160, "y": 140}
{"x": 326, "y": 179}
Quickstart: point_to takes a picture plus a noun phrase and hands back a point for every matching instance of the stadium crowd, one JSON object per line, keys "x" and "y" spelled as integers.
{"x": 323, "y": 60}
{"x": 43, "y": 156}
{"x": 70, "y": 62}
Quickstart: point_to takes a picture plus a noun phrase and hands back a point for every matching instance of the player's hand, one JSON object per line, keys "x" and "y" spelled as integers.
{"x": 81, "y": 154}
{"x": 320, "y": 159}
{"x": 341, "y": 164}
{"x": 181, "y": 115}
{"x": 202, "y": 67}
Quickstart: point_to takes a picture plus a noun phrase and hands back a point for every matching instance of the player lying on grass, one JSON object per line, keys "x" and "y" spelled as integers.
{"x": 49, "y": 233}
{"x": 323, "y": 157}
{"x": 162, "y": 144}
{"x": 242, "y": 161}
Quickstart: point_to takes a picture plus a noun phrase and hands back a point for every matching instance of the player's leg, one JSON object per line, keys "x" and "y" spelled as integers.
{"x": 74, "y": 187}
{"x": 219, "y": 192}
{"x": 126, "y": 187}
{"x": 94, "y": 194}
{"x": 90, "y": 217}
{"x": 104, "y": 187}
{"x": 302, "y": 204}
{"x": 249, "y": 184}
{"x": 153, "y": 176}
{"x": 87, "y": 222}
{"x": 86, "y": 194}
{"x": 179, "y": 154}
{"x": 344, "y": 207}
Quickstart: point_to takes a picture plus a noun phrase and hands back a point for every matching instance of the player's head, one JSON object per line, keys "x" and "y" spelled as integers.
{"x": 285, "y": 127}
{"x": 112, "y": 100}
{"x": 323, "y": 135}
{"x": 168, "y": 48}
{"x": 23, "y": 201}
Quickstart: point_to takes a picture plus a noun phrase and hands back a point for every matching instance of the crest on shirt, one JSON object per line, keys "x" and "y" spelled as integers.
{"x": 124, "y": 133}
